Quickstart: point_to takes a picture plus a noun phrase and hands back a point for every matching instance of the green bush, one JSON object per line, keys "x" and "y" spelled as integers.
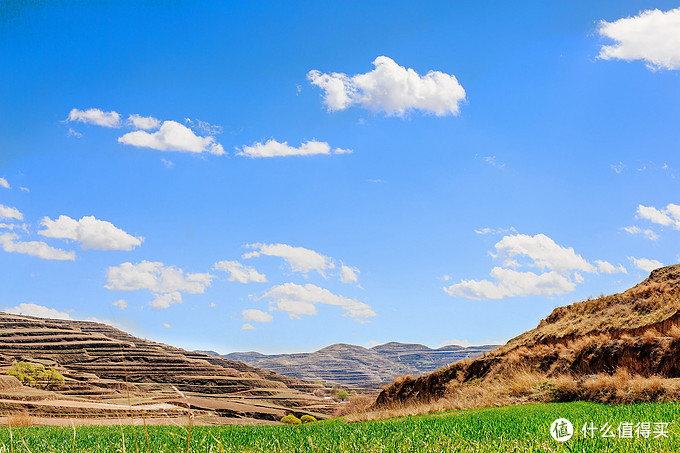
{"x": 342, "y": 395}
{"x": 307, "y": 419}
{"x": 36, "y": 375}
{"x": 291, "y": 419}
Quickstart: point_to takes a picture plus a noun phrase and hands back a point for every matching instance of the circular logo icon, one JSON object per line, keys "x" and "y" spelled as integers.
{"x": 561, "y": 430}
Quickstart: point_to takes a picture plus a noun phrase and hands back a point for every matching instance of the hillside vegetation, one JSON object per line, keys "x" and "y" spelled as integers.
{"x": 618, "y": 348}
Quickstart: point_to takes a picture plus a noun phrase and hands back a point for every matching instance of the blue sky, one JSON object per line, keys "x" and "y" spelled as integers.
{"x": 282, "y": 176}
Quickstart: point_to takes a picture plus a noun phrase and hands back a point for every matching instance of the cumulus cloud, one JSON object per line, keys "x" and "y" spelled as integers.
{"x": 256, "y": 315}
{"x": 96, "y": 117}
{"x": 665, "y": 217}
{"x": 649, "y": 234}
{"x": 92, "y": 233}
{"x": 163, "y": 301}
{"x": 239, "y": 273}
{"x": 300, "y": 259}
{"x": 39, "y": 311}
{"x": 173, "y": 136}
{"x": 606, "y": 267}
{"x": 510, "y": 282}
{"x": 349, "y": 274}
{"x": 299, "y": 300}
{"x": 7, "y": 212}
{"x": 248, "y": 326}
{"x": 166, "y": 325}
{"x": 392, "y": 89}
{"x": 143, "y": 122}
{"x": 561, "y": 267}
{"x": 9, "y": 243}
{"x": 272, "y": 148}
{"x": 645, "y": 264}
{"x": 544, "y": 253}
{"x": 4, "y": 183}
{"x": 122, "y": 304}
{"x": 165, "y": 282}
{"x": 652, "y": 36}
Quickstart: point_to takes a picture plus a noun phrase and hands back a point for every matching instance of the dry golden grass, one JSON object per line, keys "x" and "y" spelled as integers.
{"x": 20, "y": 420}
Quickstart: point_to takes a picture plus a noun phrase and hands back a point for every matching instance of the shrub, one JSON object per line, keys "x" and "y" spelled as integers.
{"x": 307, "y": 419}
{"x": 291, "y": 419}
{"x": 36, "y": 375}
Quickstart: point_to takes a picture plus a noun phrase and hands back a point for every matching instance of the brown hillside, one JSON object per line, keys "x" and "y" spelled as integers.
{"x": 573, "y": 353}
{"x": 104, "y": 365}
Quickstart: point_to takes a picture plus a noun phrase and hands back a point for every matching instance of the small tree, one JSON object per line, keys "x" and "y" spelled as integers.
{"x": 35, "y": 375}
{"x": 342, "y": 395}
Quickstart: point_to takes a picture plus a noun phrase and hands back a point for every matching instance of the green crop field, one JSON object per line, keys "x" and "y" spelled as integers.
{"x": 517, "y": 428}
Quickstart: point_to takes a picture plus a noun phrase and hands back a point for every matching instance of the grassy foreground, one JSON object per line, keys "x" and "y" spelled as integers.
{"x": 515, "y": 428}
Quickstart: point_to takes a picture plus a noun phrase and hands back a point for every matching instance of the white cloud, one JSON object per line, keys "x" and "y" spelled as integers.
{"x": 163, "y": 301}
{"x": 349, "y": 274}
{"x": 7, "y": 212}
{"x": 39, "y": 311}
{"x": 143, "y": 122}
{"x": 173, "y": 136}
{"x": 212, "y": 305}
{"x": 165, "y": 282}
{"x": 391, "y": 88}
{"x": 618, "y": 168}
{"x": 645, "y": 264}
{"x": 665, "y": 217}
{"x": 122, "y": 304}
{"x": 496, "y": 231}
{"x": 300, "y": 259}
{"x": 299, "y": 300}
{"x": 96, "y": 117}
{"x": 606, "y": 267}
{"x": 166, "y": 326}
{"x": 649, "y": 234}
{"x": 557, "y": 262}
{"x": 239, "y": 273}
{"x": 248, "y": 326}
{"x": 4, "y": 183}
{"x": 24, "y": 189}
{"x": 72, "y": 133}
{"x": 510, "y": 283}
{"x": 167, "y": 163}
{"x": 9, "y": 243}
{"x": 652, "y": 36}
{"x": 544, "y": 253}
{"x": 92, "y": 233}
{"x": 256, "y": 315}
{"x": 272, "y": 148}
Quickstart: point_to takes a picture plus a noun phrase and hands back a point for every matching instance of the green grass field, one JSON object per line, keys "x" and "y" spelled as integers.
{"x": 517, "y": 428}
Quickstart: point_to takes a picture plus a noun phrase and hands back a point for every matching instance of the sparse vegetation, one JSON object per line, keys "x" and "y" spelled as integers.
{"x": 36, "y": 375}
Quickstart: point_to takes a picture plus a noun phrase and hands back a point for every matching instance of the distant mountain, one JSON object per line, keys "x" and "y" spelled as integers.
{"x": 356, "y": 366}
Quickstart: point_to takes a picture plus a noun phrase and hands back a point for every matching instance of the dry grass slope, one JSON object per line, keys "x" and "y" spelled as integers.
{"x": 615, "y": 349}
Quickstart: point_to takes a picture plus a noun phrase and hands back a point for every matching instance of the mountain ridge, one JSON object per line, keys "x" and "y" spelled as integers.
{"x": 357, "y": 366}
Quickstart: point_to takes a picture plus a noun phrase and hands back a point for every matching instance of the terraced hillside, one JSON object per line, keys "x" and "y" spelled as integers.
{"x": 102, "y": 364}
{"x": 359, "y": 367}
